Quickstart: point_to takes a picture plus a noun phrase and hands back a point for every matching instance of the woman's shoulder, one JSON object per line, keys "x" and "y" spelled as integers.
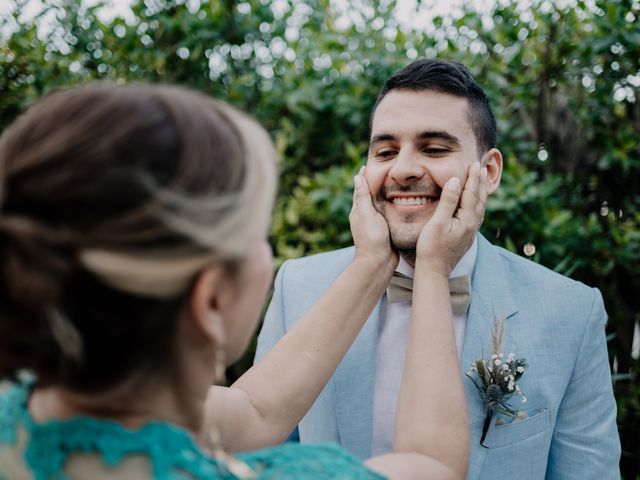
{"x": 312, "y": 461}
{"x": 84, "y": 447}
{"x": 100, "y": 448}
{"x": 13, "y": 396}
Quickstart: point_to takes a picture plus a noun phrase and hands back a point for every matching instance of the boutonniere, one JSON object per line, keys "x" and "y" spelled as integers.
{"x": 496, "y": 379}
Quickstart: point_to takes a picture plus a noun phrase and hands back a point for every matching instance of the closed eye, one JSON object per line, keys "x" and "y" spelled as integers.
{"x": 384, "y": 154}
{"x": 436, "y": 152}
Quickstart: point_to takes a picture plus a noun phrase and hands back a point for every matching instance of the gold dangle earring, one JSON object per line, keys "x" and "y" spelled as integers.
{"x": 220, "y": 367}
{"x": 226, "y": 462}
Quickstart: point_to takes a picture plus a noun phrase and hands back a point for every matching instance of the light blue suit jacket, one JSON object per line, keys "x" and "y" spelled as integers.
{"x": 557, "y": 324}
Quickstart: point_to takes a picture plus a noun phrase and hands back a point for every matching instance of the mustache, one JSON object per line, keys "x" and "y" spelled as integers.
{"x": 431, "y": 190}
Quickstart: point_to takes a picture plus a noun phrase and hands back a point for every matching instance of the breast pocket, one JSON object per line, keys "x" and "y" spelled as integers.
{"x": 518, "y": 431}
{"x": 518, "y": 449}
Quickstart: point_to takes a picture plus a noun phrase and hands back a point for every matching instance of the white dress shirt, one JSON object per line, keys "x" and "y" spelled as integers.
{"x": 390, "y": 352}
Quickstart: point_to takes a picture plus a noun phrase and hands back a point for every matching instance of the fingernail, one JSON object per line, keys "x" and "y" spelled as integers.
{"x": 454, "y": 184}
{"x": 357, "y": 180}
{"x": 361, "y": 170}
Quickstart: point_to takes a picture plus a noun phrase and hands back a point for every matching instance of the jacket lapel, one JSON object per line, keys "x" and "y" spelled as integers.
{"x": 353, "y": 390}
{"x": 354, "y": 378}
{"x": 490, "y": 298}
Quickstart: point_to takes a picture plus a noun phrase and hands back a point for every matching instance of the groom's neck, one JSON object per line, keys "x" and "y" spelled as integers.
{"x": 409, "y": 256}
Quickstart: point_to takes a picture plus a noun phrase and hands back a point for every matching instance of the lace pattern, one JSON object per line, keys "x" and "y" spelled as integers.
{"x": 10, "y": 412}
{"x": 170, "y": 450}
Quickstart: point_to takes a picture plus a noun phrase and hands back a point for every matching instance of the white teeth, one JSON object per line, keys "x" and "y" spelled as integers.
{"x": 412, "y": 200}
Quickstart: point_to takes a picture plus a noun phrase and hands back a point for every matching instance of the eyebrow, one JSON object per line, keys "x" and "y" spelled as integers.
{"x": 426, "y": 135}
{"x": 385, "y": 137}
{"x": 439, "y": 135}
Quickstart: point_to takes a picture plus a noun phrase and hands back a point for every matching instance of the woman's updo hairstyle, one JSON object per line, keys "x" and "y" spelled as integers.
{"x": 112, "y": 199}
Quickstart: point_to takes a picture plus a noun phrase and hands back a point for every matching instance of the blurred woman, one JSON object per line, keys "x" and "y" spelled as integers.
{"x": 134, "y": 265}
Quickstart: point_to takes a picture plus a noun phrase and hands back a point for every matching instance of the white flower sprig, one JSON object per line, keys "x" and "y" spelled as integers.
{"x": 496, "y": 379}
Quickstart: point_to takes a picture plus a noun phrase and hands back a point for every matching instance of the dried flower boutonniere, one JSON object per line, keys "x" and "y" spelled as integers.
{"x": 497, "y": 378}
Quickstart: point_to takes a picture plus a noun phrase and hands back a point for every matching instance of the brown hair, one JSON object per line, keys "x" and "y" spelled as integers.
{"x": 453, "y": 78}
{"x": 112, "y": 198}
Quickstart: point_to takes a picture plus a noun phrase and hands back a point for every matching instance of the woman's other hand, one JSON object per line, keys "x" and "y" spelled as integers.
{"x": 451, "y": 231}
{"x": 369, "y": 229}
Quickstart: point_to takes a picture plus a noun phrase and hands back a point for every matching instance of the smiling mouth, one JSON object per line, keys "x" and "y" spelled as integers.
{"x": 411, "y": 200}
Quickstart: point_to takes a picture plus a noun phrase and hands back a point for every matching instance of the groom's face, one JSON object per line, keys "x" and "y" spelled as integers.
{"x": 418, "y": 141}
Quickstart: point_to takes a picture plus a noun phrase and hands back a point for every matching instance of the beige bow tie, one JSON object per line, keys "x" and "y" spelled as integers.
{"x": 401, "y": 290}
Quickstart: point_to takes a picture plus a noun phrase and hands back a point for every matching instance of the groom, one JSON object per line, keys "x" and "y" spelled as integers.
{"x": 430, "y": 122}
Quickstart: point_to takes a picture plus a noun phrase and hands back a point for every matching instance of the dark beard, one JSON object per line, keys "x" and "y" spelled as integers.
{"x": 432, "y": 190}
{"x": 408, "y": 248}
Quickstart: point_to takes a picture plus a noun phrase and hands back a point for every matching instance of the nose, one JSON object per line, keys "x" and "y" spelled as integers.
{"x": 406, "y": 168}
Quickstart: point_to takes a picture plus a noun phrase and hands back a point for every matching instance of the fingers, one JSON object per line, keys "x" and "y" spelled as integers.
{"x": 448, "y": 201}
{"x": 369, "y": 229}
{"x": 471, "y": 193}
{"x": 474, "y": 197}
{"x": 357, "y": 184}
{"x": 484, "y": 193}
{"x": 361, "y": 191}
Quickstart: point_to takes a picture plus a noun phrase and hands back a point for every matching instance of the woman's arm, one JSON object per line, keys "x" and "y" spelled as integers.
{"x": 264, "y": 405}
{"x": 432, "y": 433}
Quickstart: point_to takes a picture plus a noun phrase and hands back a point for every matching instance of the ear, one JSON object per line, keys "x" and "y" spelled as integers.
{"x": 492, "y": 159}
{"x": 209, "y": 292}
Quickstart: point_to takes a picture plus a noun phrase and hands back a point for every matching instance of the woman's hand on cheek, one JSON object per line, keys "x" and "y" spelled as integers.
{"x": 369, "y": 229}
{"x": 450, "y": 232}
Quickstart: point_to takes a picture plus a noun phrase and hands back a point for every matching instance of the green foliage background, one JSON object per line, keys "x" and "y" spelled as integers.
{"x": 564, "y": 82}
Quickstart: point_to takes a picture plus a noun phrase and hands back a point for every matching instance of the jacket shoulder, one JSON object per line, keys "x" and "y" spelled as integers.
{"x": 302, "y": 281}
{"x": 326, "y": 264}
{"x": 542, "y": 282}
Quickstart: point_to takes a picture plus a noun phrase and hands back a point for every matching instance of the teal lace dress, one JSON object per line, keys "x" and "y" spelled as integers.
{"x": 86, "y": 448}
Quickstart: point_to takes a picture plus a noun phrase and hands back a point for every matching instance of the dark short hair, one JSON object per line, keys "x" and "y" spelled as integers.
{"x": 453, "y": 78}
